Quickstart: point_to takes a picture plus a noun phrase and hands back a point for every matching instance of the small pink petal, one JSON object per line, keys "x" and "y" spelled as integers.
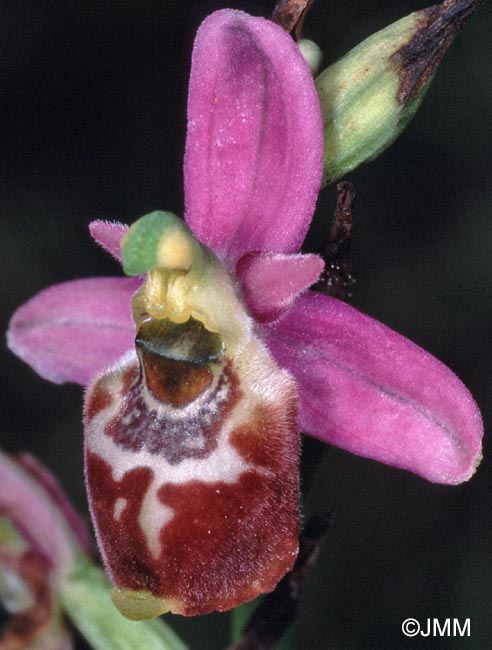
{"x": 369, "y": 390}
{"x": 254, "y": 147}
{"x": 108, "y": 235}
{"x": 72, "y": 330}
{"x": 39, "y": 519}
{"x": 271, "y": 282}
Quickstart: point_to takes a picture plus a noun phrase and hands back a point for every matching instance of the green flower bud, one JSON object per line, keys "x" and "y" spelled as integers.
{"x": 369, "y": 96}
{"x": 312, "y": 54}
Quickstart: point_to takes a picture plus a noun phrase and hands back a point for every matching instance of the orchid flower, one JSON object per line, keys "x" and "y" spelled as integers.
{"x": 204, "y": 366}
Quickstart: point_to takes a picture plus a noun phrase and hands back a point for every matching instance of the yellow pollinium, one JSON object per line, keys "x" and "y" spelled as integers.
{"x": 167, "y": 290}
{"x": 165, "y": 295}
{"x": 142, "y": 605}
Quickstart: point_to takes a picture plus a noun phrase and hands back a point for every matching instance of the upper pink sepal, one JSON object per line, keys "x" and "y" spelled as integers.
{"x": 108, "y": 235}
{"x": 254, "y": 146}
{"x": 367, "y": 389}
{"x": 72, "y": 330}
{"x": 271, "y": 282}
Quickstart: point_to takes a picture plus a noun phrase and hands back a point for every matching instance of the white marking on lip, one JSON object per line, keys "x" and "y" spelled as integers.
{"x": 119, "y": 505}
{"x": 154, "y": 515}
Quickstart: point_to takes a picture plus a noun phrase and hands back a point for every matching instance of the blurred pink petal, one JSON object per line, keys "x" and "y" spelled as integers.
{"x": 38, "y": 549}
{"x": 72, "y": 330}
{"x": 369, "y": 390}
{"x": 255, "y": 138}
{"x": 108, "y": 235}
{"x": 271, "y": 282}
{"x": 57, "y": 497}
{"x": 38, "y": 518}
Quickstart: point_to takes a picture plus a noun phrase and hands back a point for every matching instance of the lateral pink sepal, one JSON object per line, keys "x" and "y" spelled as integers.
{"x": 254, "y": 146}
{"x": 72, "y": 330}
{"x": 108, "y": 234}
{"x": 369, "y": 390}
{"x": 271, "y": 282}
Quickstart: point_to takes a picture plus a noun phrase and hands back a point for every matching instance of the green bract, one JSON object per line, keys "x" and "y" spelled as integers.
{"x": 370, "y": 95}
{"x": 362, "y": 115}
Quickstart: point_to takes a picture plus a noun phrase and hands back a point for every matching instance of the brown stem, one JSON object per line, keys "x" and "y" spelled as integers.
{"x": 290, "y": 14}
{"x": 336, "y": 279}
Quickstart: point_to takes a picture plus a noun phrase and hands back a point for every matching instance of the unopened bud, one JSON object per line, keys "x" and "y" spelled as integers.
{"x": 312, "y": 54}
{"x": 369, "y": 96}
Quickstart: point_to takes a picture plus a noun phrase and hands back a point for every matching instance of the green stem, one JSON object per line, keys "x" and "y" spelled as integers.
{"x": 241, "y": 615}
{"x": 239, "y": 618}
{"x": 85, "y": 597}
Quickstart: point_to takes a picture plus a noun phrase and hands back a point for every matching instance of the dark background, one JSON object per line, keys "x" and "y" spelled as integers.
{"x": 93, "y": 98}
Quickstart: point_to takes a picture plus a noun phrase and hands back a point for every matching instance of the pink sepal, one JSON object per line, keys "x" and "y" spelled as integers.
{"x": 271, "y": 282}
{"x": 254, "y": 146}
{"x": 108, "y": 235}
{"x": 72, "y": 330}
{"x": 369, "y": 390}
